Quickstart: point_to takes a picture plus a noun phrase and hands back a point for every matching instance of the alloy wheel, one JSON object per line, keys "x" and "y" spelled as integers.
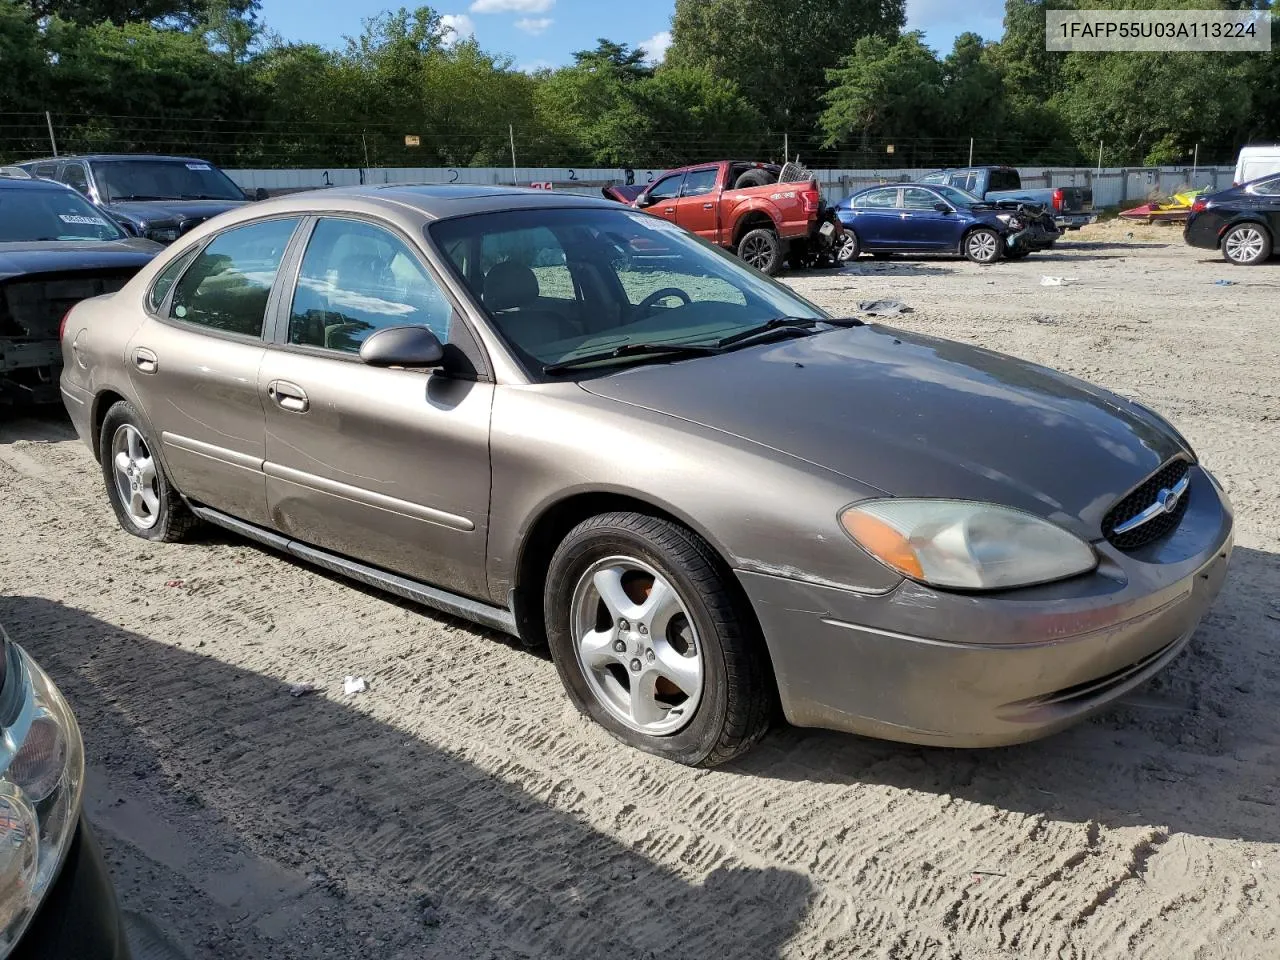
{"x": 134, "y": 470}
{"x": 756, "y": 252}
{"x": 637, "y": 646}
{"x": 1244, "y": 245}
{"x": 982, "y": 246}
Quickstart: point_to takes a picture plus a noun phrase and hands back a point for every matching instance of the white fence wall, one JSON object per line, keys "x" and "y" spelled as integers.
{"x": 1112, "y": 186}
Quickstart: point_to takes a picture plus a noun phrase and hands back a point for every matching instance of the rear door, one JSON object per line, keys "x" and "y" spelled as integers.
{"x": 194, "y": 364}
{"x": 876, "y": 219}
{"x": 698, "y": 209}
{"x": 662, "y": 197}
{"x": 387, "y": 466}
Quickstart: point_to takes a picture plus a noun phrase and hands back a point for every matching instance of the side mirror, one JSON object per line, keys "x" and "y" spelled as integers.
{"x": 261, "y": 194}
{"x": 943, "y": 207}
{"x": 644, "y": 200}
{"x": 402, "y": 347}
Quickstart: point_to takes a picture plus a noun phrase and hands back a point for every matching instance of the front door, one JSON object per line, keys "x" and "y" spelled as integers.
{"x": 387, "y": 466}
{"x": 698, "y": 209}
{"x": 194, "y": 365}
{"x": 928, "y": 228}
{"x": 661, "y": 198}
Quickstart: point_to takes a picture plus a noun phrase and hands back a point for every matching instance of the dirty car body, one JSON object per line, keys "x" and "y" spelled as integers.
{"x": 895, "y": 535}
{"x": 55, "y": 250}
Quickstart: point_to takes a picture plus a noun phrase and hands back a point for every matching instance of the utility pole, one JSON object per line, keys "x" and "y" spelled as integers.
{"x": 52, "y": 142}
{"x": 786, "y": 147}
{"x": 971, "y": 151}
{"x": 365, "y": 143}
{"x": 511, "y": 129}
{"x": 1099, "y": 158}
{"x": 1195, "y": 165}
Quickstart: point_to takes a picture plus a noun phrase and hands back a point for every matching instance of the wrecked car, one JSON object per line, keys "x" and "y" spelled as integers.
{"x": 768, "y": 215}
{"x": 56, "y": 249}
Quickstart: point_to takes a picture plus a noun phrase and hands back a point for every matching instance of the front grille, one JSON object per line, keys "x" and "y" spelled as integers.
{"x": 1166, "y": 478}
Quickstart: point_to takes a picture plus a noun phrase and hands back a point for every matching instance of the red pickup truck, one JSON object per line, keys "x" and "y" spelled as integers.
{"x": 765, "y": 213}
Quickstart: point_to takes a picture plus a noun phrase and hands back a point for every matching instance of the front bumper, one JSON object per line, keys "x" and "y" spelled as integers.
{"x": 962, "y": 670}
{"x": 79, "y": 917}
{"x": 1033, "y": 237}
{"x": 1074, "y": 221}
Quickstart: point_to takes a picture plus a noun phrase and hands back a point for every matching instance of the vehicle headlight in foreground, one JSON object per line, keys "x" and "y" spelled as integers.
{"x": 41, "y": 778}
{"x": 965, "y": 545}
{"x": 163, "y": 234}
{"x": 1009, "y": 220}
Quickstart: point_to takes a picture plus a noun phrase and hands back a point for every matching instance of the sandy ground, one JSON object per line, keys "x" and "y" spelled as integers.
{"x": 458, "y": 808}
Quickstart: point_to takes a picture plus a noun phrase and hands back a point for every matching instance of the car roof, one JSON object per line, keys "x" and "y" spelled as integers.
{"x": 438, "y": 201}
{"x": 7, "y": 183}
{"x": 115, "y": 156}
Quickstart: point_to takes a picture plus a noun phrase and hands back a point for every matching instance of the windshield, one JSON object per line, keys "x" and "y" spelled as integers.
{"x": 957, "y": 197}
{"x": 571, "y": 283}
{"x": 49, "y": 214}
{"x": 163, "y": 180}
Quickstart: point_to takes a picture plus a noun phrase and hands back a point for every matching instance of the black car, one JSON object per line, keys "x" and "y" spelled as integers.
{"x": 1242, "y": 222}
{"x": 56, "y": 249}
{"x": 160, "y": 198}
{"x": 56, "y": 899}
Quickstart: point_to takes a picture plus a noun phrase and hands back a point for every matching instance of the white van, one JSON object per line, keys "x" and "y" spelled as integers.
{"x": 1257, "y": 162}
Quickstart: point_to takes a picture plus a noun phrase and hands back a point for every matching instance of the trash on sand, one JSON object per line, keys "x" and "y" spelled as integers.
{"x": 175, "y": 583}
{"x": 354, "y": 685}
{"x": 302, "y": 689}
{"x": 1057, "y": 281}
{"x": 883, "y": 308}
{"x": 1224, "y": 283}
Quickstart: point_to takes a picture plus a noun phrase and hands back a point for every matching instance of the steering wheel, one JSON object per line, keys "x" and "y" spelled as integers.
{"x": 645, "y": 306}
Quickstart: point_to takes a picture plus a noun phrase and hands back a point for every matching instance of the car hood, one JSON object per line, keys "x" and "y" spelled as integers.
{"x": 19, "y": 259}
{"x": 916, "y": 416}
{"x": 178, "y": 211}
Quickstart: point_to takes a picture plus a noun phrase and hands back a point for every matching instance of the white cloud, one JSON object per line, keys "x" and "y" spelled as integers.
{"x": 512, "y": 6}
{"x": 534, "y": 25}
{"x": 458, "y": 26}
{"x": 657, "y": 45}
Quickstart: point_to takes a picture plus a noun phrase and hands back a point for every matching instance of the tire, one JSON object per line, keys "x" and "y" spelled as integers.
{"x": 850, "y": 247}
{"x": 982, "y": 246}
{"x": 1246, "y": 245}
{"x": 762, "y": 249}
{"x": 145, "y": 502}
{"x": 753, "y": 178}
{"x": 603, "y": 649}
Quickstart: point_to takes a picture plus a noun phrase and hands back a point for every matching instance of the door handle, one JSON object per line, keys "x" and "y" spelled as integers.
{"x": 708, "y": 206}
{"x": 145, "y": 360}
{"x": 288, "y": 396}
{"x": 670, "y": 210}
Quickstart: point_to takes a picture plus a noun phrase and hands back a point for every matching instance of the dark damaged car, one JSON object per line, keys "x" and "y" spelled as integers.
{"x": 159, "y": 198}
{"x": 56, "y": 249}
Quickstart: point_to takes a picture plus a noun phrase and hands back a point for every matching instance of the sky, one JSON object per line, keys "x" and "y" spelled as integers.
{"x": 545, "y": 33}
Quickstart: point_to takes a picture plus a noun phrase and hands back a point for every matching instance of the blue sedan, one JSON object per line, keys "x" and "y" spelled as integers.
{"x": 911, "y": 218}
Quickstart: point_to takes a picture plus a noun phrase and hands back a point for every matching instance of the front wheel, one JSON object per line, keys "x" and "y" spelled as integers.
{"x": 762, "y": 249}
{"x": 983, "y": 246}
{"x": 849, "y": 249}
{"x": 653, "y": 643}
{"x": 1246, "y": 244}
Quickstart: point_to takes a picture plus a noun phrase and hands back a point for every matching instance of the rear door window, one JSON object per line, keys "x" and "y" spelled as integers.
{"x": 877, "y": 199}
{"x": 1004, "y": 180}
{"x": 229, "y": 283}
{"x": 699, "y": 182}
{"x": 75, "y": 177}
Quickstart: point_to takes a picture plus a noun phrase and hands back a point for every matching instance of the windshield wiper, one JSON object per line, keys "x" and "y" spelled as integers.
{"x": 656, "y": 351}
{"x": 203, "y": 196}
{"x": 136, "y": 196}
{"x": 780, "y": 325}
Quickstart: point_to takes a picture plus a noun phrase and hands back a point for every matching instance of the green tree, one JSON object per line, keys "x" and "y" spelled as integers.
{"x": 188, "y": 13}
{"x": 777, "y": 56}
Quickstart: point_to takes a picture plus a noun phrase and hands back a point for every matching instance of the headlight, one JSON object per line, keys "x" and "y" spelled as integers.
{"x": 42, "y": 762}
{"x": 163, "y": 234}
{"x": 966, "y": 545}
{"x": 1009, "y": 220}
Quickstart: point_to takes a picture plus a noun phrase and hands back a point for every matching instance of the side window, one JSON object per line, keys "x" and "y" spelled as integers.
{"x": 1004, "y": 179}
{"x": 44, "y": 171}
{"x": 229, "y": 283}
{"x": 1268, "y": 188}
{"x": 934, "y": 178}
{"x": 74, "y": 176}
{"x": 667, "y": 189}
{"x": 160, "y": 288}
{"x": 877, "y": 198}
{"x": 917, "y": 198}
{"x": 700, "y": 182}
{"x": 357, "y": 278}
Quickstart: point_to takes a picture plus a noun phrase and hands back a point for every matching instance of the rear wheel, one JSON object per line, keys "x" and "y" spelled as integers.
{"x": 651, "y": 641}
{"x": 849, "y": 248}
{"x": 762, "y": 249}
{"x": 145, "y": 502}
{"x": 1246, "y": 244}
{"x": 983, "y": 246}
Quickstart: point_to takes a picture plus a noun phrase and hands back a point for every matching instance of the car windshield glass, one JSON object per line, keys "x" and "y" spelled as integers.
{"x": 52, "y": 214}
{"x": 564, "y": 284}
{"x": 163, "y": 180}
{"x": 957, "y": 197}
